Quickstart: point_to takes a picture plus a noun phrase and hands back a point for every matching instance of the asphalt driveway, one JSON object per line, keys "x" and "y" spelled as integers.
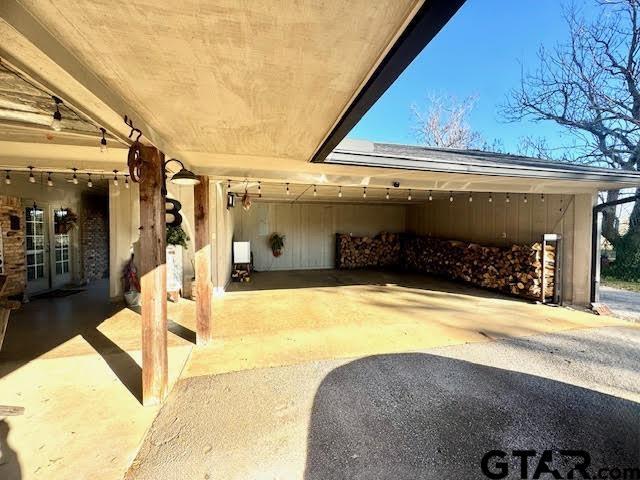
{"x": 624, "y": 303}
{"x": 427, "y": 415}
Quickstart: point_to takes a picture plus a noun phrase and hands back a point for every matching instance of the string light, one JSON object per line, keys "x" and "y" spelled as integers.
{"x": 430, "y": 196}
{"x": 56, "y": 123}
{"x": 75, "y": 176}
{"x": 32, "y": 179}
{"x": 49, "y": 180}
{"x": 7, "y": 179}
{"x": 340, "y": 192}
{"x": 542, "y": 197}
{"x": 470, "y": 197}
{"x": 409, "y": 196}
{"x": 525, "y": 200}
{"x": 115, "y": 178}
{"x": 126, "y": 181}
{"x": 451, "y": 196}
{"x": 364, "y": 192}
{"x": 490, "y": 197}
{"x": 103, "y": 141}
{"x": 508, "y": 199}
{"x": 288, "y": 192}
{"x": 89, "y": 183}
{"x": 387, "y": 195}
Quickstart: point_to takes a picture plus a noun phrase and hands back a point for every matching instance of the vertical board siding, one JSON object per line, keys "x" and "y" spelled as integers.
{"x": 310, "y": 230}
{"x": 495, "y": 223}
{"x": 502, "y": 223}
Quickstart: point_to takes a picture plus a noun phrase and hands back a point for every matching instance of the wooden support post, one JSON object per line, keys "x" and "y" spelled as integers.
{"x": 153, "y": 278}
{"x": 204, "y": 330}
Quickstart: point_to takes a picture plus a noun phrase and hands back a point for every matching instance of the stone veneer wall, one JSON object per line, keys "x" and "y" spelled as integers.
{"x": 95, "y": 237}
{"x": 13, "y": 245}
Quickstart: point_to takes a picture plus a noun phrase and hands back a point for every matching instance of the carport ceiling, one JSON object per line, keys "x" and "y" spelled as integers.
{"x": 253, "y": 79}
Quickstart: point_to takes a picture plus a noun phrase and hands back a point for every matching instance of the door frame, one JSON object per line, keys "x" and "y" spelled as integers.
{"x": 51, "y": 280}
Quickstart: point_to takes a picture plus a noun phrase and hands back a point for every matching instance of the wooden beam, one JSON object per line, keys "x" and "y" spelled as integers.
{"x": 153, "y": 278}
{"x": 204, "y": 287}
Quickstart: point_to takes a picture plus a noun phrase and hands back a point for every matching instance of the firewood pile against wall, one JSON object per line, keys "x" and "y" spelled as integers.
{"x": 383, "y": 250}
{"x": 515, "y": 269}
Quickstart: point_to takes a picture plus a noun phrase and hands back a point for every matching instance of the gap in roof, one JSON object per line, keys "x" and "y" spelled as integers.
{"x": 480, "y": 52}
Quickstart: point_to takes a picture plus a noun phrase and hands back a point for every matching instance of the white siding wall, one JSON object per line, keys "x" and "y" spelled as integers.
{"x": 222, "y": 221}
{"x": 310, "y": 230}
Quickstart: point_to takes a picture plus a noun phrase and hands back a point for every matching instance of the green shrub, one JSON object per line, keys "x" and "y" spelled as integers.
{"x": 627, "y": 263}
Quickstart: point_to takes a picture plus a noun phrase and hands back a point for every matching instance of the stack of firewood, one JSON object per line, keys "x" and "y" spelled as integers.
{"x": 382, "y": 250}
{"x": 516, "y": 269}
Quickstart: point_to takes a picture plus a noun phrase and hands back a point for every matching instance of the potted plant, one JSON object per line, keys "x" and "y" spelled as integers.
{"x": 276, "y": 242}
{"x": 177, "y": 236}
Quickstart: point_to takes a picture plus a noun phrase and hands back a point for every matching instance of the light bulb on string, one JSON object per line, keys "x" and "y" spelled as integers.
{"x": 103, "y": 141}
{"x": 525, "y": 200}
{"x": 7, "y": 179}
{"x": 56, "y": 122}
{"x": 490, "y": 197}
{"x": 259, "y": 189}
{"x": 89, "y": 182}
{"x": 409, "y": 196}
{"x": 508, "y": 199}
{"x": 430, "y": 196}
{"x": 126, "y": 181}
{"x": 542, "y": 197}
{"x": 288, "y": 191}
{"x": 470, "y": 197}
{"x": 49, "y": 180}
{"x": 387, "y": 195}
{"x": 364, "y": 192}
{"x": 339, "y": 192}
{"x": 32, "y": 179}
{"x": 315, "y": 191}
{"x": 451, "y": 196}
{"x": 115, "y": 178}
{"x": 75, "y": 176}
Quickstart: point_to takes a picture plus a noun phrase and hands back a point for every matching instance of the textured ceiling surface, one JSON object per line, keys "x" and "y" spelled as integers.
{"x": 263, "y": 78}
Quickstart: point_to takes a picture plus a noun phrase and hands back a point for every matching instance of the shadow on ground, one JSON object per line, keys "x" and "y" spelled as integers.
{"x": 9, "y": 464}
{"x": 398, "y": 416}
{"x": 422, "y": 416}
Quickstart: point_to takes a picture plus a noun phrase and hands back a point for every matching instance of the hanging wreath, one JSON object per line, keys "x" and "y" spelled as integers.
{"x": 66, "y": 220}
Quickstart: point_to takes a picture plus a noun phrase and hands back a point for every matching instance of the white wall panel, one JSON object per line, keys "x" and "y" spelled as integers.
{"x": 310, "y": 230}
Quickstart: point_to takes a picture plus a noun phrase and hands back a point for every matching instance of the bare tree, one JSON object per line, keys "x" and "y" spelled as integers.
{"x": 444, "y": 122}
{"x": 591, "y": 86}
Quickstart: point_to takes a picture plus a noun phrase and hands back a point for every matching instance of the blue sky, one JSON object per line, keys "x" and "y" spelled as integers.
{"x": 479, "y": 52}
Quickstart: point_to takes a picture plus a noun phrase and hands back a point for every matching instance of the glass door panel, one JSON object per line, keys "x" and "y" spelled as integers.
{"x": 36, "y": 249}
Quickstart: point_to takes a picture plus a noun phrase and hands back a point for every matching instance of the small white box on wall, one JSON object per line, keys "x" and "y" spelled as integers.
{"x": 241, "y": 252}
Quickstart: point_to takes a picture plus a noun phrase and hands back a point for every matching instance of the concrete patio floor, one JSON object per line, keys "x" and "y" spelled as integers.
{"x": 73, "y": 362}
{"x": 283, "y": 318}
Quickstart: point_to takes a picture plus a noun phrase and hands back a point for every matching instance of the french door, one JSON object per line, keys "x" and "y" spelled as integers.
{"x": 48, "y": 248}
